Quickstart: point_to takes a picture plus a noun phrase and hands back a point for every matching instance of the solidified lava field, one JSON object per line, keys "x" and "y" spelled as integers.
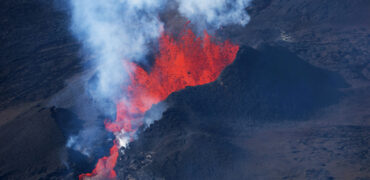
{"x": 287, "y": 98}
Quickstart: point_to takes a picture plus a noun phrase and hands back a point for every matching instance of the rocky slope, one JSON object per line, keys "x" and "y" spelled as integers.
{"x": 257, "y": 121}
{"x": 294, "y": 107}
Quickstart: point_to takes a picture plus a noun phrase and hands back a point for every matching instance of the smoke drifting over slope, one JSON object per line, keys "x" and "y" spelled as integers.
{"x": 117, "y": 32}
{"x": 215, "y": 13}
{"x": 114, "y": 30}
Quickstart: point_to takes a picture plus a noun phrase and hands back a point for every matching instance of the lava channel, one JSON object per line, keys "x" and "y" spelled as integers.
{"x": 186, "y": 60}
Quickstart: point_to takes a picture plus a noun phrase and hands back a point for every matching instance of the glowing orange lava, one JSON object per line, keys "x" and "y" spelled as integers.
{"x": 185, "y": 61}
{"x": 104, "y": 167}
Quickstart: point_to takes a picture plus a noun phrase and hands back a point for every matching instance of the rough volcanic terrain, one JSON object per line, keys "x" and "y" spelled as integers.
{"x": 294, "y": 104}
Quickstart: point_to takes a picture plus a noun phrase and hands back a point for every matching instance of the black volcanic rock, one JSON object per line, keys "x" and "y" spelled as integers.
{"x": 330, "y": 34}
{"x": 31, "y": 145}
{"x": 272, "y": 80}
{"x": 67, "y": 121}
{"x": 194, "y": 138}
{"x": 271, "y": 115}
{"x": 37, "y": 51}
{"x": 37, "y": 55}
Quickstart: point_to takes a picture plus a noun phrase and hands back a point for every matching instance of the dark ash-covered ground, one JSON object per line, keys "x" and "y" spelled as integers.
{"x": 294, "y": 106}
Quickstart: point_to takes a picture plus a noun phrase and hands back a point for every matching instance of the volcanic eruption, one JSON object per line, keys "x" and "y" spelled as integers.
{"x": 185, "y": 61}
{"x": 119, "y": 34}
{"x": 184, "y": 89}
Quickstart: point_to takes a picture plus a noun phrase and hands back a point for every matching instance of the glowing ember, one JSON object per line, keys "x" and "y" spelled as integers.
{"x": 186, "y": 61}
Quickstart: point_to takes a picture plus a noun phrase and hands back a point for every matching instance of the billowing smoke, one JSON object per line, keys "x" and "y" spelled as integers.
{"x": 213, "y": 14}
{"x": 114, "y": 31}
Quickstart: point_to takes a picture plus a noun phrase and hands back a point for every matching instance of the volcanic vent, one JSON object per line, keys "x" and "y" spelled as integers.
{"x": 184, "y": 61}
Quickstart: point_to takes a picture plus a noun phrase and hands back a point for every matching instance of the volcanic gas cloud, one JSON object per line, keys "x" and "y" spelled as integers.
{"x": 183, "y": 61}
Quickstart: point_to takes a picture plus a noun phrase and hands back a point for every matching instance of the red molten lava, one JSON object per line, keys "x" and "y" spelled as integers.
{"x": 185, "y": 61}
{"x": 104, "y": 167}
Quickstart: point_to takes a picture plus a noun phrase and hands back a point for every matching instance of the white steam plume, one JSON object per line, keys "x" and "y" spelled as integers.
{"x": 214, "y": 13}
{"x": 116, "y": 30}
{"x": 113, "y": 31}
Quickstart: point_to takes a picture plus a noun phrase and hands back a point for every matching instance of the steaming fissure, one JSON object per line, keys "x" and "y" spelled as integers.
{"x": 186, "y": 61}
{"x": 117, "y": 33}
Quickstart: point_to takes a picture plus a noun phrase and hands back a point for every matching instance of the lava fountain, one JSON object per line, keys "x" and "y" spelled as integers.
{"x": 186, "y": 60}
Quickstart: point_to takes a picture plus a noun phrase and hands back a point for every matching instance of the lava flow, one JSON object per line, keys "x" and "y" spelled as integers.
{"x": 185, "y": 61}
